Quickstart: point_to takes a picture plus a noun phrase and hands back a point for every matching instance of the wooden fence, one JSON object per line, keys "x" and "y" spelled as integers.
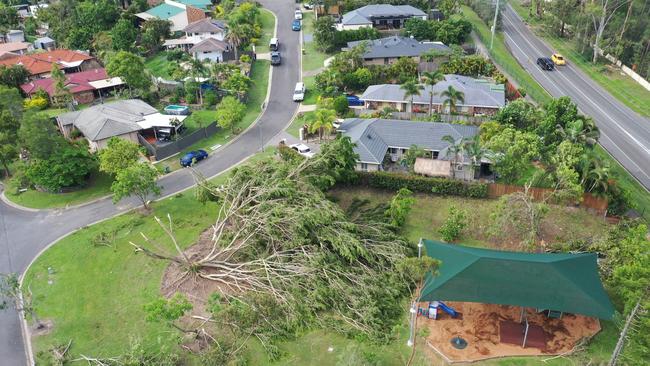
{"x": 596, "y": 204}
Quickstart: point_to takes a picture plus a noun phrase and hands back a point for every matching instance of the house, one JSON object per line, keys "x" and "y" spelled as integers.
{"x": 124, "y": 119}
{"x": 39, "y": 65}
{"x": 380, "y": 16}
{"x": 385, "y": 51}
{"x": 380, "y": 143}
{"x": 45, "y": 43}
{"x": 15, "y": 35}
{"x": 481, "y": 97}
{"x": 179, "y": 12}
{"x": 84, "y": 86}
{"x": 15, "y": 48}
{"x": 204, "y": 39}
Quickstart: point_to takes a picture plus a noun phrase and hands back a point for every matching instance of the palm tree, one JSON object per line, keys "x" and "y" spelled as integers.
{"x": 411, "y": 89}
{"x": 475, "y": 151}
{"x": 456, "y": 148}
{"x": 235, "y": 36}
{"x": 582, "y": 131}
{"x": 198, "y": 70}
{"x": 452, "y": 97}
{"x": 431, "y": 78}
{"x": 324, "y": 122}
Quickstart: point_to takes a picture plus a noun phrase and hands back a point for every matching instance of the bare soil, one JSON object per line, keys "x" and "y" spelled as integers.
{"x": 479, "y": 326}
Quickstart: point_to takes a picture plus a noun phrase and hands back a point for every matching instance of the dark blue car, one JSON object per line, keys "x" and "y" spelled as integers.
{"x": 193, "y": 156}
{"x": 296, "y": 25}
{"x": 354, "y": 101}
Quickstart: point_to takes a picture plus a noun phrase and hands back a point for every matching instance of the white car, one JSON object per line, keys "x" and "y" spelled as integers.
{"x": 303, "y": 150}
{"x": 298, "y": 15}
{"x": 299, "y": 92}
{"x": 308, "y": 6}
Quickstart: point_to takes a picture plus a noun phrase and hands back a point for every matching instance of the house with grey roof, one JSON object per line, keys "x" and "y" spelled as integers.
{"x": 381, "y": 143}
{"x": 481, "y": 97}
{"x": 385, "y": 51}
{"x": 380, "y": 16}
{"x": 199, "y": 32}
{"x": 123, "y": 119}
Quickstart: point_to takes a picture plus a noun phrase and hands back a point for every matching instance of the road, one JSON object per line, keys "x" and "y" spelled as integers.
{"x": 23, "y": 234}
{"x": 624, "y": 133}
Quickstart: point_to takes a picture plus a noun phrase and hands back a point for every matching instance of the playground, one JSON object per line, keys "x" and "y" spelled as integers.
{"x": 483, "y": 326}
{"x": 483, "y": 303}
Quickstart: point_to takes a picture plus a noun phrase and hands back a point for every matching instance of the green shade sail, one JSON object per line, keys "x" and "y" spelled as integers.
{"x": 563, "y": 282}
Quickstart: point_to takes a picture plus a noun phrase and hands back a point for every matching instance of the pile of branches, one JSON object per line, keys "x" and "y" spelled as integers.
{"x": 286, "y": 255}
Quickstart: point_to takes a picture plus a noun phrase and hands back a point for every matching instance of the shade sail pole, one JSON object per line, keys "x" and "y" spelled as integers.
{"x": 413, "y": 309}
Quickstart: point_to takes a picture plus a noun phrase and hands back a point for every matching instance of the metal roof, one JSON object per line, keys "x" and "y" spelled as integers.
{"x": 366, "y": 14}
{"x": 205, "y": 25}
{"x": 397, "y": 46}
{"x": 208, "y": 45}
{"x": 164, "y": 11}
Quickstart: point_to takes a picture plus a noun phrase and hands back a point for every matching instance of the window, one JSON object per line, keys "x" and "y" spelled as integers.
{"x": 392, "y": 150}
{"x": 459, "y": 167}
{"x": 434, "y": 154}
{"x": 364, "y": 167}
{"x": 386, "y": 60}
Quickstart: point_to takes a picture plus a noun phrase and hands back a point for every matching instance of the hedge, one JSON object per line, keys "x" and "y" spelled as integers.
{"x": 416, "y": 183}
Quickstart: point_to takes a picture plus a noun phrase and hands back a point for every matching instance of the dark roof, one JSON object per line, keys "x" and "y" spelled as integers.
{"x": 364, "y": 15}
{"x": 208, "y": 45}
{"x": 397, "y": 46}
{"x": 561, "y": 281}
{"x": 205, "y": 25}
{"x": 373, "y": 137}
{"x": 478, "y": 92}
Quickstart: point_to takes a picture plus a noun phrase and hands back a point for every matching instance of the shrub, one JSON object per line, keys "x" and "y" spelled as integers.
{"x": 400, "y": 206}
{"x": 245, "y": 59}
{"x": 416, "y": 183}
{"x": 210, "y": 98}
{"x": 340, "y": 105}
{"x": 454, "y": 225}
{"x": 37, "y": 103}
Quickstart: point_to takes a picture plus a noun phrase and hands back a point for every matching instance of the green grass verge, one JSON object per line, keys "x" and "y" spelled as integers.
{"x": 504, "y": 59}
{"x": 267, "y": 21}
{"x": 312, "y": 59}
{"x": 298, "y": 122}
{"x": 621, "y": 86}
{"x": 98, "y": 186}
{"x": 311, "y": 96}
{"x": 158, "y": 65}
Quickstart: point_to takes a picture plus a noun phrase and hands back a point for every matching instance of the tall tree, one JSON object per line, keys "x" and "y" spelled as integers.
{"x": 411, "y": 88}
{"x": 9, "y": 125}
{"x": 137, "y": 180}
{"x": 452, "y": 97}
{"x": 13, "y": 76}
{"x": 62, "y": 95}
{"x": 230, "y": 112}
{"x": 323, "y": 122}
{"x": 512, "y": 152}
{"x": 118, "y": 155}
{"x": 131, "y": 69}
{"x": 601, "y": 12}
{"x": 456, "y": 150}
{"x": 123, "y": 35}
{"x": 39, "y": 136}
{"x": 431, "y": 78}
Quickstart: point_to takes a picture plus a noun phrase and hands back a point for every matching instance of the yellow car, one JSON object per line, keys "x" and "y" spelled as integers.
{"x": 558, "y": 59}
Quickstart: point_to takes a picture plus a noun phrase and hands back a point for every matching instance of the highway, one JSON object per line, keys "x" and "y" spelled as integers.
{"x": 624, "y": 133}
{"x": 24, "y": 233}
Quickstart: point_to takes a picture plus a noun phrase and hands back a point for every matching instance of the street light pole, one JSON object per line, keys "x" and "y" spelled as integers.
{"x": 494, "y": 24}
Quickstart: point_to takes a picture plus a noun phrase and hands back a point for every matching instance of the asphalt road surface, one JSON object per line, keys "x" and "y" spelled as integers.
{"x": 23, "y": 234}
{"x": 624, "y": 133}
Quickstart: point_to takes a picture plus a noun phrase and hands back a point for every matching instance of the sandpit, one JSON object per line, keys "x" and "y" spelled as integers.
{"x": 479, "y": 326}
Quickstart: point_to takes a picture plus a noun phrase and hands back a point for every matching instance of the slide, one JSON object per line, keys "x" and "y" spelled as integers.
{"x": 447, "y": 309}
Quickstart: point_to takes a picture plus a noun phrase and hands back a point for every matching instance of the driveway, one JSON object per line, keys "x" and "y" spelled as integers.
{"x": 24, "y": 234}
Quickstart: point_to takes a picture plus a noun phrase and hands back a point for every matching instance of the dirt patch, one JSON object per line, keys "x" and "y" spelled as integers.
{"x": 45, "y": 327}
{"x": 479, "y": 326}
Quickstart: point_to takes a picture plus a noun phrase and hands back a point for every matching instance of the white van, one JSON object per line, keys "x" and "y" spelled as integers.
{"x": 274, "y": 44}
{"x": 299, "y": 92}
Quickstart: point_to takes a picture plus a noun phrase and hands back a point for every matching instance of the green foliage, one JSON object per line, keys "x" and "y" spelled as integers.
{"x": 400, "y": 207}
{"x": 118, "y": 155}
{"x": 123, "y": 35}
{"x": 338, "y": 169}
{"x": 230, "y": 112}
{"x": 519, "y": 114}
{"x": 474, "y": 65}
{"x": 39, "y": 136}
{"x": 13, "y": 76}
{"x": 154, "y": 32}
{"x": 413, "y": 152}
{"x": 454, "y": 224}
{"x": 340, "y": 104}
{"x": 8, "y": 135}
{"x": 449, "y": 31}
{"x": 210, "y": 98}
{"x": 136, "y": 180}
{"x": 328, "y": 39}
{"x": 513, "y": 150}
{"x": 70, "y": 165}
{"x": 36, "y": 103}
{"x": 62, "y": 95}
{"x": 130, "y": 68}
{"x": 415, "y": 183}
{"x": 167, "y": 310}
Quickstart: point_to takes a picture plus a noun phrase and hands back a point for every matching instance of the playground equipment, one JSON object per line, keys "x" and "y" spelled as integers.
{"x": 432, "y": 311}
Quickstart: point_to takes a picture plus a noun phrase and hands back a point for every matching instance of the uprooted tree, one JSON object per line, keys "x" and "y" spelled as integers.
{"x": 286, "y": 258}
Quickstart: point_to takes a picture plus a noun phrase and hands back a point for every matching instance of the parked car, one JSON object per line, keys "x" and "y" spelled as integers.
{"x": 558, "y": 59}
{"x": 296, "y": 26}
{"x": 297, "y": 14}
{"x": 336, "y": 124}
{"x": 354, "y": 101}
{"x": 192, "y": 157}
{"x": 299, "y": 92}
{"x": 275, "y": 58}
{"x": 308, "y": 6}
{"x": 303, "y": 150}
{"x": 545, "y": 63}
{"x": 274, "y": 44}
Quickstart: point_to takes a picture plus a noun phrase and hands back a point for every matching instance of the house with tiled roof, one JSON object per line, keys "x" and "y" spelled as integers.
{"x": 380, "y": 16}
{"x": 40, "y": 64}
{"x": 84, "y": 86}
{"x": 204, "y": 39}
{"x": 15, "y": 48}
{"x": 481, "y": 97}
{"x": 381, "y": 144}
{"x": 179, "y": 12}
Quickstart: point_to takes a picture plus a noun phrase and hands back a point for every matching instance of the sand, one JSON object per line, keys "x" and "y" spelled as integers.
{"x": 479, "y": 326}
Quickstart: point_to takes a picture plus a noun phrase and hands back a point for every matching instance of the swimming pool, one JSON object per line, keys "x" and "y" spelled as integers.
{"x": 179, "y": 110}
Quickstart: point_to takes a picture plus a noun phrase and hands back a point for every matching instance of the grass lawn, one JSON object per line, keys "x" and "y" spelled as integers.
{"x": 158, "y": 65}
{"x": 311, "y": 96}
{"x": 312, "y": 59}
{"x": 621, "y": 86}
{"x": 268, "y": 28}
{"x": 98, "y": 186}
{"x": 504, "y": 59}
{"x": 299, "y": 121}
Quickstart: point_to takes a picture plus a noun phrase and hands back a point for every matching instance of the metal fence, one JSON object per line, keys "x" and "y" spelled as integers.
{"x": 166, "y": 150}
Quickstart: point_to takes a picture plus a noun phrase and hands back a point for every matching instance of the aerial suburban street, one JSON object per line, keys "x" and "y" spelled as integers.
{"x": 23, "y": 234}
{"x": 624, "y": 133}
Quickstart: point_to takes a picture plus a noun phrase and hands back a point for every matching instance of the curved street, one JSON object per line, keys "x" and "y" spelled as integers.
{"x": 624, "y": 133}
{"x": 24, "y": 234}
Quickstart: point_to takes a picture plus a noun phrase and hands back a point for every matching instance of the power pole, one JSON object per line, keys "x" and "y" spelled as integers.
{"x": 494, "y": 24}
